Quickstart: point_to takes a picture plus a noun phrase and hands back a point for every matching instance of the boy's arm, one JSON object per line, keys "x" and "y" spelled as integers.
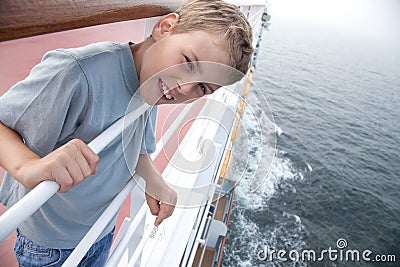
{"x": 160, "y": 198}
{"x": 68, "y": 165}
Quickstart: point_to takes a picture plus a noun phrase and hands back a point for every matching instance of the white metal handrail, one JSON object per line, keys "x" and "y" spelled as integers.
{"x": 26, "y": 206}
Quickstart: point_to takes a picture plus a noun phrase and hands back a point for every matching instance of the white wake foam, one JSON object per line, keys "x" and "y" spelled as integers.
{"x": 281, "y": 170}
{"x": 278, "y": 130}
{"x": 285, "y": 230}
{"x": 309, "y": 167}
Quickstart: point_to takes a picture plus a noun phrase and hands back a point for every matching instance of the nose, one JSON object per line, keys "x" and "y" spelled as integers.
{"x": 186, "y": 89}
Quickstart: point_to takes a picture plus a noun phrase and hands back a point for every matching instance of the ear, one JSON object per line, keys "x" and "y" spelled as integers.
{"x": 164, "y": 25}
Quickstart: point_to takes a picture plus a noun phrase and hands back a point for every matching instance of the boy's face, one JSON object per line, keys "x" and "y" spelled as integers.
{"x": 172, "y": 69}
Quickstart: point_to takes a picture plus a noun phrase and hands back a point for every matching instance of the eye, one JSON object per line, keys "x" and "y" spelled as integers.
{"x": 202, "y": 88}
{"x": 189, "y": 63}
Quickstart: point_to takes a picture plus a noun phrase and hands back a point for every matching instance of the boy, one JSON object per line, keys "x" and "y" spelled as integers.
{"x": 73, "y": 95}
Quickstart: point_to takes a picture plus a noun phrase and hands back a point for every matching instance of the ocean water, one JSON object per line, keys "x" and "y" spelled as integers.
{"x": 335, "y": 180}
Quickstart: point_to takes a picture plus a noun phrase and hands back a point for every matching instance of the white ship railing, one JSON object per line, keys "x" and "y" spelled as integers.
{"x": 24, "y": 208}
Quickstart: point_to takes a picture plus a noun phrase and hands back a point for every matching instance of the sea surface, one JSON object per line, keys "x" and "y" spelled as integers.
{"x": 335, "y": 180}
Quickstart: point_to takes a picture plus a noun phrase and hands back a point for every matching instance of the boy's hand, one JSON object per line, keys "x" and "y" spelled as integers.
{"x": 68, "y": 165}
{"x": 161, "y": 200}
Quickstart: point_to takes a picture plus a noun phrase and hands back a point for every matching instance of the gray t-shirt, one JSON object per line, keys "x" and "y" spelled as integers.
{"x": 76, "y": 93}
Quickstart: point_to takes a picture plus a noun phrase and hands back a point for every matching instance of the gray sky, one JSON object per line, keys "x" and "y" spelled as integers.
{"x": 371, "y": 18}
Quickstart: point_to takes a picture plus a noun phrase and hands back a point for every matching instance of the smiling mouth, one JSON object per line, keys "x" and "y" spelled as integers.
{"x": 165, "y": 90}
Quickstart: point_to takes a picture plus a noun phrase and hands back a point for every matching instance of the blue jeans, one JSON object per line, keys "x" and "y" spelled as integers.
{"x": 31, "y": 254}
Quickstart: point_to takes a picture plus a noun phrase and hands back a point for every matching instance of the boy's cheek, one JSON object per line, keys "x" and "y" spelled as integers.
{"x": 148, "y": 93}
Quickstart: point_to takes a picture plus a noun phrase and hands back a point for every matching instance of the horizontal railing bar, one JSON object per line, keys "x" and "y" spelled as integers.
{"x": 106, "y": 137}
{"x": 22, "y": 18}
{"x": 25, "y": 207}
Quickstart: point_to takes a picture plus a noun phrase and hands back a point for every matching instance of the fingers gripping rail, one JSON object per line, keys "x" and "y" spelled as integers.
{"x": 24, "y": 208}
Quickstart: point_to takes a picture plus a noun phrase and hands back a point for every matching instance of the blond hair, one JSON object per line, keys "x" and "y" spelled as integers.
{"x": 220, "y": 18}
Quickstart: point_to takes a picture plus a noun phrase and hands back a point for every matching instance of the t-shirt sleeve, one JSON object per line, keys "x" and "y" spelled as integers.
{"x": 149, "y": 140}
{"x": 45, "y": 107}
